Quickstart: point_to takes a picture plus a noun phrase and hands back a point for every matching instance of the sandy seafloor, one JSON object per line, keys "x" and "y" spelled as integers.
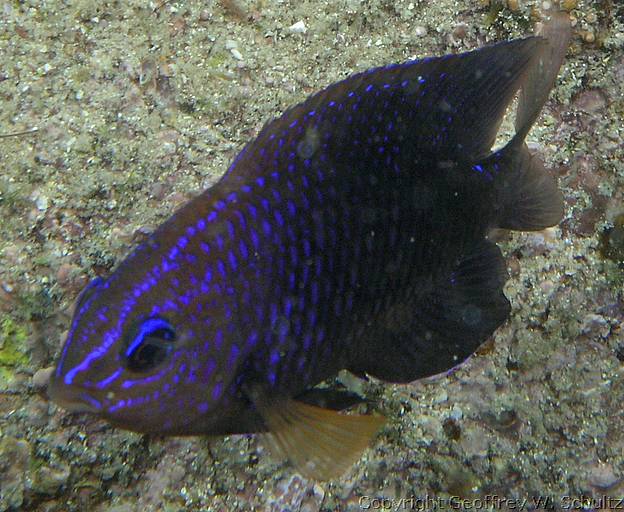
{"x": 136, "y": 109}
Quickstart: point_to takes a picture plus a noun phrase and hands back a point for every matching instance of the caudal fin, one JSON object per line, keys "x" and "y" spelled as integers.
{"x": 529, "y": 199}
{"x": 528, "y": 196}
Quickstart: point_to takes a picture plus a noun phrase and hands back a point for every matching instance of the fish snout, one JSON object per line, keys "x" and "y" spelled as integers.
{"x": 72, "y": 398}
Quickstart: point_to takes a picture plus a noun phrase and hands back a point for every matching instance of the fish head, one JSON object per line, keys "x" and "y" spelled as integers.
{"x": 134, "y": 357}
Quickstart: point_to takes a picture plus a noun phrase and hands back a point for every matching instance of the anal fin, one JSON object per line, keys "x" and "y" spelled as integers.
{"x": 442, "y": 328}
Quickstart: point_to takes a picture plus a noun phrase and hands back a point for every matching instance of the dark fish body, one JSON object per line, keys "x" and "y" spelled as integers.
{"x": 350, "y": 234}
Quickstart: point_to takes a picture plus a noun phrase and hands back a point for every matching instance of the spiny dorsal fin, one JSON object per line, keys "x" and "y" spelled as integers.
{"x": 320, "y": 443}
{"x": 451, "y": 104}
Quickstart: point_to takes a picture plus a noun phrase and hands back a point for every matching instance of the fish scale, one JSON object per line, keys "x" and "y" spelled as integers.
{"x": 350, "y": 234}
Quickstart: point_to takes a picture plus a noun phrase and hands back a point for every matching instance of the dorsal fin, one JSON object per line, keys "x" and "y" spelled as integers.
{"x": 451, "y": 104}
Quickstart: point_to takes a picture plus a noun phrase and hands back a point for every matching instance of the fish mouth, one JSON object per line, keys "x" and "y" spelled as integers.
{"x": 72, "y": 398}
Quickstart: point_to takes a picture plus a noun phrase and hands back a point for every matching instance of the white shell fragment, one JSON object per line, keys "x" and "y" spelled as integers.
{"x": 298, "y": 28}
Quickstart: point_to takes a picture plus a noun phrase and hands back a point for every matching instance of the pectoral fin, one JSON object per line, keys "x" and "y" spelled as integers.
{"x": 320, "y": 443}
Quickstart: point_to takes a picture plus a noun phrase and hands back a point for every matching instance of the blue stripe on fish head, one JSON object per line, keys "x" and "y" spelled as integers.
{"x": 162, "y": 326}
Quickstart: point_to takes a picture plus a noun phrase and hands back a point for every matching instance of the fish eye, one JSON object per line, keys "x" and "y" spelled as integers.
{"x": 147, "y": 344}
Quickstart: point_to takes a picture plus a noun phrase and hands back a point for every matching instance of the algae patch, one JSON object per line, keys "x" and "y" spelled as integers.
{"x": 13, "y": 352}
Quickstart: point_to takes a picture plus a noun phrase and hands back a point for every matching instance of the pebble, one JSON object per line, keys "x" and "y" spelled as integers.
{"x": 40, "y": 200}
{"x": 7, "y": 300}
{"x": 48, "y": 480}
{"x": 64, "y": 274}
{"x": 440, "y": 397}
{"x": 15, "y": 455}
{"x": 513, "y": 5}
{"x": 158, "y": 191}
{"x": 236, "y": 54}
{"x": 431, "y": 427}
{"x": 547, "y": 287}
{"x": 169, "y": 140}
{"x": 460, "y": 31}
{"x": 298, "y": 28}
{"x": 568, "y": 5}
{"x": 539, "y": 242}
{"x": 37, "y": 411}
{"x": 595, "y": 326}
{"x": 591, "y": 101}
{"x": 602, "y": 476}
{"x": 475, "y": 442}
{"x": 513, "y": 266}
{"x": 589, "y": 36}
{"x": 456, "y": 413}
{"x": 41, "y": 378}
{"x": 420, "y": 31}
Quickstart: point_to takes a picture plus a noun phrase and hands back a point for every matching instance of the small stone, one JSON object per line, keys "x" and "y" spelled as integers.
{"x": 589, "y": 36}
{"x": 440, "y": 397}
{"x": 63, "y": 274}
{"x": 48, "y": 480}
{"x": 40, "y": 200}
{"x": 83, "y": 143}
{"x": 431, "y": 427}
{"x": 7, "y": 300}
{"x": 547, "y": 287}
{"x": 36, "y": 411}
{"x": 513, "y": 266}
{"x": 460, "y": 31}
{"x": 71, "y": 278}
{"x": 595, "y": 326}
{"x": 420, "y": 31}
{"x": 591, "y": 101}
{"x": 602, "y": 476}
{"x": 568, "y": 5}
{"x": 158, "y": 191}
{"x": 456, "y": 412}
{"x": 177, "y": 198}
{"x": 126, "y": 506}
{"x": 236, "y": 54}
{"x": 513, "y": 5}
{"x": 539, "y": 242}
{"x": 41, "y": 378}
{"x": 15, "y": 459}
{"x": 452, "y": 429}
{"x": 298, "y": 28}
{"x": 475, "y": 442}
